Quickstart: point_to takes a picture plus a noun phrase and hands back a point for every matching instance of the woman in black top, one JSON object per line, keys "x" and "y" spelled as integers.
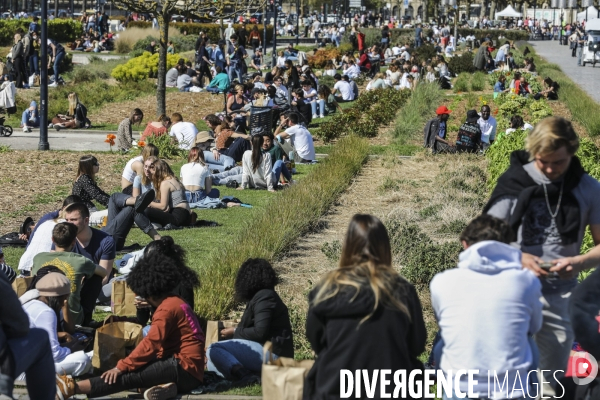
{"x": 266, "y": 318}
{"x": 85, "y": 185}
{"x": 293, "y": 78}
{"x": 362, "y": 315}
{"x": 385, "y": 38}
{"x": 304, "y": 109}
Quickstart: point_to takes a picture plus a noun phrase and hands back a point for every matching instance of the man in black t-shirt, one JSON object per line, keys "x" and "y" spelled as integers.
{"x": 469, "y": 134}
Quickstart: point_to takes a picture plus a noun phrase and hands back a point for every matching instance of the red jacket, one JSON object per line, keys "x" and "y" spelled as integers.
{"x": 175, "y": 332}
{"x": 361, "y": 40}
{"x": 364, "y": 61}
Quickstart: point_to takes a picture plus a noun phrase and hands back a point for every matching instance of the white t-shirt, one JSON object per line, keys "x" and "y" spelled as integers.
{"x": 41, "y": 316}
{"x": 311, "y": 91}
{"x": 128, "y": 172}
{"x": 185, "y": 133}
{"x": 344, "y": 89}
{"x": 396, "y": 50}
{"x": 303, "y": 142}
{"x": 194, "y": 174}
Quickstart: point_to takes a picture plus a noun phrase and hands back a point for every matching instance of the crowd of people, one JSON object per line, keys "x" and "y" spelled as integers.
{"x": 512, "y": 306}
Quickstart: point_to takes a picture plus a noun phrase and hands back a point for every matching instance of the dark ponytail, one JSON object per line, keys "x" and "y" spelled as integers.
{"x": 257, "y": 142}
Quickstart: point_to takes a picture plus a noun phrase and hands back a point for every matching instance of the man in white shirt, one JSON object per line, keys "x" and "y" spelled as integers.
{"x": 353, "y": 70}
{"x": 396, "y": 51}
{"x": 488, "y": 124}
{"x": 300, "y": 136}
{"x": 342, "y": 89}
{"x": 183, "y": 132}
{"x": 520, "y": 23}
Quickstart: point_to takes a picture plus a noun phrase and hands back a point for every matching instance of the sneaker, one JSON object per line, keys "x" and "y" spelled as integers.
{"x": 322, "y": 116}
{"x": 53, "y": 84}
{"x": 315, "y": 116}
{"x": 143, "y": 200}
{"x": 50, "y": 125}
{"x": 29, "y": 129}
{"x": 161, "y": 392}
{"x": 243, "y": 377}
{"x": 65, "y": 387}
{"x": 232, "y": 184}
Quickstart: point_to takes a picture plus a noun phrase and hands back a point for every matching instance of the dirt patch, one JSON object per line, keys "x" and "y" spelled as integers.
{"x": 34, "y": 183}
{"x": 192, "y": 106}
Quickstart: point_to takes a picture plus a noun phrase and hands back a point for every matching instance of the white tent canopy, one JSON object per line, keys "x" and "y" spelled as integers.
{"x": 592, "y": 25}
{"x": 592, "y": 12}
{"x": 508, "y": 12}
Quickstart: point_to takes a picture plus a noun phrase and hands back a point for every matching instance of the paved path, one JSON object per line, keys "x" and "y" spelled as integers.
{"x": 84, "y": 58}
{"x": 84, "y": 140}
{"x": 587, "y": 78}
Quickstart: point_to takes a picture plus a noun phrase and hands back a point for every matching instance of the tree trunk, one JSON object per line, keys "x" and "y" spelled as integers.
{"x": 425, "y": 14}
{"x": 55, "y": 8}
{"x": 525, "y": 6}
{"x": 482, "y": 12}
{"x": 492, "y": 9}
{"x": 161, "y": 100}
{"x": 83, "y": 7}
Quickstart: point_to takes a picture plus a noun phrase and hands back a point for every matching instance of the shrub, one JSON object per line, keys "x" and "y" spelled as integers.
{"x": 213, "y": 31}
{"x": 180, "y": 42}
{"x": 478, "y": 81}
{"x": 321, "y": 56}
{"x": 460, "y": 64}
{"x": 166, "y": 147}
{"x": 425, "y": 52}
{"x": 142, "y": 67}
{"x": 61, "y": 30}
{"x": 462, "y": 83}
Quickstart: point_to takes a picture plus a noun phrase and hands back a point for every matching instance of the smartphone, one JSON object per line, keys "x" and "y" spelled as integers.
{"x": 546, "y": 266}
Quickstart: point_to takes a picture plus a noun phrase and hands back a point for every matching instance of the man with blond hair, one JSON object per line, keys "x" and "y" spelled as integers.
{"x": 549, "y": 201}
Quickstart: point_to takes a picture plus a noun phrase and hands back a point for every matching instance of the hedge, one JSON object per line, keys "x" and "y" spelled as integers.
{"x": 212, "y": 30}
{"x": 61, "y": 30}
{"x": 288, "y": 215}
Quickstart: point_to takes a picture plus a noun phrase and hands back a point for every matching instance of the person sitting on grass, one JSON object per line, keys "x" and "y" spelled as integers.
{"x": 522, "y": 87}
{"x": 227, "y": 142}
{"x": 87, "y": 189}
{"x": 468, "y": 139}
{"x": 550, "y": 91}
{"x": 500, "y": 86}
{"x": 195, "y": 176}
{"x": 30, "y": 117}
{"x": 171, "y": 208}
{"x": 303, "y": 108}
{"x": 220, "y": 83}
{"x": 141, "y": 184}
{"x": 266, "y": 318}
{"x": 76, "y": 117}
{"x": 516, "y": 123}
{"x": 170, "y": 359}
{"x": 377, "y": 82}
{"x": 156, "y": 128}
{"x": 183, "y": 133}
{"x": 43, "y": 305}
{"x": 300, "y": 137}
{"x": 278, "y": 157}
{"x": 327, "y": 103}
{"x": 435, "y": 132}
{"x": 184, "y": 81}
{"x": 257, "y": 168}
{"x": 135, "y": 167}
{"x": 79, "y": 269}
{"x": 124, "y": 133}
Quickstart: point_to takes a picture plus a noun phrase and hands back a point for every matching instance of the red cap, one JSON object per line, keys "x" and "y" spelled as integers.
{"x": 442, "y": 110}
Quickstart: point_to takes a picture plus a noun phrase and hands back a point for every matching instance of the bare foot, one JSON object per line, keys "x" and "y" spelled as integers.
{"x": 231, "y": 204}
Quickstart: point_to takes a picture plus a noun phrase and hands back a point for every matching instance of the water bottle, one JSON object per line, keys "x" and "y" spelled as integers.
{"x": 293, "y": 161}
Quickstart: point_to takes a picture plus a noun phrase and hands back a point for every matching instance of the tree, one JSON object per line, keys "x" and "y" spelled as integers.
{"x": 164, "y": 10}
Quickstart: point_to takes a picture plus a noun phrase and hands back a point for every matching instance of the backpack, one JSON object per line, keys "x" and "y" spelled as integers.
{"x": 27, "y": 41}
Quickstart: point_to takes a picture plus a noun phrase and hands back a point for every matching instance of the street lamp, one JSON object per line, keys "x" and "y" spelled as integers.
{"x": 44, "y": 144}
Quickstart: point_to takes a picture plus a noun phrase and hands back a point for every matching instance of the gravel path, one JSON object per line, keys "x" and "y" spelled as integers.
{"x": 587, "y": 78}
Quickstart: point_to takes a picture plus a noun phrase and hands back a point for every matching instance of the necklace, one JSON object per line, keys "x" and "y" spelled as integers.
{"x": 553, "y": 215}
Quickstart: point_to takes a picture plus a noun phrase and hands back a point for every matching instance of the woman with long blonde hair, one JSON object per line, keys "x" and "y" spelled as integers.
{"x": 363, "y": 315}
{"x": 171, "y": 206}
{"x": 76, "y": 117}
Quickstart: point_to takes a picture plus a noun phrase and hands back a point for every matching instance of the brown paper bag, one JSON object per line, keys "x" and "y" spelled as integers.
{"x": 114, "y": 341}
{"x": 20, "y": 285}
{"x": 214, "y": 327}
{"x": 122, "y": 299}
{"x": 283, "y": 378}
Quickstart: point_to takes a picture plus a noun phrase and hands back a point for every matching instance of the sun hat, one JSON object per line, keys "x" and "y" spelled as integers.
{"x": 54, "y": 284}
{"x": 203, "y": 137}
{"x": 442, "y": 110}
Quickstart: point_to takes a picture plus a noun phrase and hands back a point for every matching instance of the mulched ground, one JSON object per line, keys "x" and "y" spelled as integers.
{"x": 33, "y": 182}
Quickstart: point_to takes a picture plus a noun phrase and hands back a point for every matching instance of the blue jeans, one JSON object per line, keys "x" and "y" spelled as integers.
{"x": 237, "y": 71}
{"x": 25, "y": 121}
{"x": 121, "y": 218}
{"x": 221, "y": 164}
{"x": 234, "y": 174}
{"x": 35, "y": 359}
{"x": 194, "y": 197}
{"x": 34, "y": 67}
{"x": 278, "y": 169}
{"x": 212, "y": 89}
{"x": 222, "y": 356}
{"x": 57, "y": 61}
{"x": 314, "y": 108}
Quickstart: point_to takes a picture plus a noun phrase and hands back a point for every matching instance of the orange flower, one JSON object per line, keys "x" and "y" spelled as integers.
{"x": 107, "y": 140}
{"x": 141, "y": 143}
{"x": 111, "y": 136}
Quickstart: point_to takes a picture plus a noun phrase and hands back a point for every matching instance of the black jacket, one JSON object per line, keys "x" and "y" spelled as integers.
{"x": 430, "y": 132}
{"x": 584, "y": 308}
{"x": 267, "y": 318}
{"x": 389, "y": 339}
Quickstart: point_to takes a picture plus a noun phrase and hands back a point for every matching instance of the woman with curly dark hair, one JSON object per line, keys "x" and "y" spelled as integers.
{"x": 171, "y": 358}
{"x": 266, "y": 318}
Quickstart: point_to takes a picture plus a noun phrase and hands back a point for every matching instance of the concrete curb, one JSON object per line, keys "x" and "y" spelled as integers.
{"x": 20, "y": 393}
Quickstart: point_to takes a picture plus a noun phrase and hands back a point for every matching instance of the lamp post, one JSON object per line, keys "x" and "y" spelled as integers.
{"x": 297, "y": 22}
{"x": 43, "y": 144}
{"x": 454, "y": 3}
{"x": 572, "y": 5}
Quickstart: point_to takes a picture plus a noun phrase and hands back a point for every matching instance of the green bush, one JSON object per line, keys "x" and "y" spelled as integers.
{"x": 478, "y": 81}
{"x": 142, "y": 67}
{"x": 181, "y": 43}
{"x": 61, "y": 30}
{"x": 425, "y": 52}
{"x": 166, "y": 147}
{"x": 460, "y": 64}
{"x": 274, "y": 229}
{"x": 213, "y": 31}
{"x": 462, "y": 83}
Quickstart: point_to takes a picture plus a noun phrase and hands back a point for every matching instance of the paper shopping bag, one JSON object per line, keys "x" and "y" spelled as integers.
{"x": 20, "y": 285}
{"x": 122, "y": 299}
{"x": 114, "y": 341}
{"x": 214, "y": 327}
{"x": 283, "y": 378}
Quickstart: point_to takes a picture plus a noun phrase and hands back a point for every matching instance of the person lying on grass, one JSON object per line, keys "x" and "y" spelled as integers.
{"x": 170, "y": 359}
{"x": 266, "y": 318}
